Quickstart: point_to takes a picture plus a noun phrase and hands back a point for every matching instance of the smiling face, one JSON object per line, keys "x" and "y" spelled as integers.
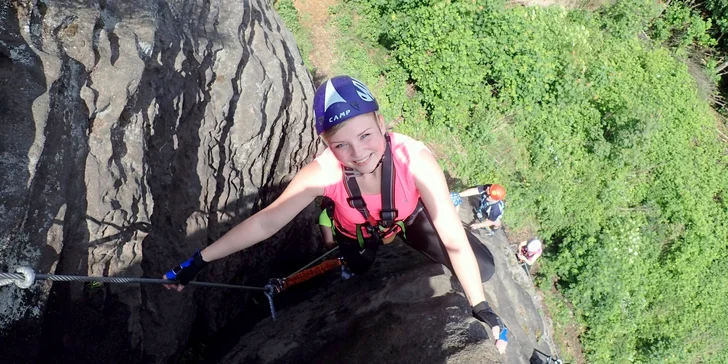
{"x": 359, "y": 143}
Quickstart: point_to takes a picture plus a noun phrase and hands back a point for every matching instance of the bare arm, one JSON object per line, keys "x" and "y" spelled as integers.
{"x": 486, "y": 223}
{"x": 328, "y": 237}
{"x": 304, "y": 187}
{"x": 470, "y": 192}
{"x": 433, "y": 188}
{"x": 519, "y": 253}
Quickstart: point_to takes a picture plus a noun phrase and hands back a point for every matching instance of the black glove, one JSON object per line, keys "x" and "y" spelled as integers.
{"x": 187, "y": 271}
{"x": 485, "y": 314}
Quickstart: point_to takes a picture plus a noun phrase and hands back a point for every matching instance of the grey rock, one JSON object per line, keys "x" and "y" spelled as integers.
{"x": 406, "y": 309}
{"x": 136, "y": 132}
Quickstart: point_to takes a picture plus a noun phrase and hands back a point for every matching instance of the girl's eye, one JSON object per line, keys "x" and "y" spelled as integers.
{"x": 363, "y": 136}
{"x": 339, "y": 146}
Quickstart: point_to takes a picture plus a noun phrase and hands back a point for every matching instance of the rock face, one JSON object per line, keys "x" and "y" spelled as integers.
{"x": 134, "y": 133}
{"x": 406, "y": 310}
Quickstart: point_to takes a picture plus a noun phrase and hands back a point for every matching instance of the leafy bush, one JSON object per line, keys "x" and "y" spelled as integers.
{"x": 599, "y": 136}
{"x": 625, "y": 18}
{"x": 680, "y": 28}
{"x": 718, "y": 12}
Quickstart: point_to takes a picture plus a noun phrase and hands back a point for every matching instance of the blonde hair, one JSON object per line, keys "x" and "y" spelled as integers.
{"x": 330, "y": 132}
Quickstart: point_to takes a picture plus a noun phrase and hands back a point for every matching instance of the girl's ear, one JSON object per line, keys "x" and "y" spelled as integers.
{"x": 380, "y": 122}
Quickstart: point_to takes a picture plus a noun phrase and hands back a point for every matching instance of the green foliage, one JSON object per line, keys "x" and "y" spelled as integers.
{"x": 680, "y": 27}
{"x": 625, "y": 18}
{"x": 598, "y": 135}
{"x": 435, "y": 44}
{"x": 370, "y": 63}
{"x": 718, "y": 12}
{"x": 711, "y": 70}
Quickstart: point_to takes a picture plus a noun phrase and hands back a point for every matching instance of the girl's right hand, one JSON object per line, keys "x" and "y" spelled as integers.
{"x": 185, "y": 272}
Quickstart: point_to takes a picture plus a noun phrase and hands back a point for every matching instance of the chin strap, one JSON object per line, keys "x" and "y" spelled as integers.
{"x": 353, "y": 173}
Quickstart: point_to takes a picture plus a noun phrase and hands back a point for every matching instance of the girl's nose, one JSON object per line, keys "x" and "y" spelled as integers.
{"x": 355, "y": 150}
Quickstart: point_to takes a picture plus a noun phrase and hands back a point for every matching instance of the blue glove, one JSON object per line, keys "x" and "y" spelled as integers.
{"x": 503, "y": 334}
{"x": 187, "y": 271}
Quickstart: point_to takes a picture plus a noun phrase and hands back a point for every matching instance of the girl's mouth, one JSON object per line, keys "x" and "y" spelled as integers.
{"x": 364, "y": 161}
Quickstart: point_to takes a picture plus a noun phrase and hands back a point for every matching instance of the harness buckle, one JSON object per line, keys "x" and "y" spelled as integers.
{"x": 388, "y": 216}
{"x": 356, "y": 202}
{"x": 371, "y": 230}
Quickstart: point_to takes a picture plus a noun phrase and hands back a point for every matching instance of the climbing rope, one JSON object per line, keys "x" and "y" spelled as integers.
{"x": 25, "y": 277}
{"x": 307, "y": 274}
{"x": 277, "y": 285}
{"x": 335, "y": 249}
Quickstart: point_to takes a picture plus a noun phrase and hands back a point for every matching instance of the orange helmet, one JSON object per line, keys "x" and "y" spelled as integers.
{"x": 497, "y": 192}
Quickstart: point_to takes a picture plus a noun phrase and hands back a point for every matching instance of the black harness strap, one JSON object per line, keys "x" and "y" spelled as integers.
{"x": 388, "y": 214}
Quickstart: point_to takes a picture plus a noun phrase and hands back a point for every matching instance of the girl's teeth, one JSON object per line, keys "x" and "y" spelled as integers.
{"x": 362, "y": 160}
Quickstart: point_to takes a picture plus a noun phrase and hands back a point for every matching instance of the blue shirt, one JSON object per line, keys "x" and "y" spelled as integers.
{"x": 490, "y": 210}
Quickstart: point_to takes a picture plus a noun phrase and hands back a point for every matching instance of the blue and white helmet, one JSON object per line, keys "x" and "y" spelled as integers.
{"x": 339, "y": 99}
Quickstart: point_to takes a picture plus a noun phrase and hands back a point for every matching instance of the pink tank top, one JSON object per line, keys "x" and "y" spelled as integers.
{"x": 529, "y": 254}
{"x": 406, "y": 193}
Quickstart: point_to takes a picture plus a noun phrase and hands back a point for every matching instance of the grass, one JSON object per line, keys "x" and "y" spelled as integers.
{"x": 566, "y": 328}
{"x": 293, "y": 20}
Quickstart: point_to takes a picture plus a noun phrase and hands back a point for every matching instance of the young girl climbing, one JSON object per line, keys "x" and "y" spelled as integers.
{"x": 382, "y": 184}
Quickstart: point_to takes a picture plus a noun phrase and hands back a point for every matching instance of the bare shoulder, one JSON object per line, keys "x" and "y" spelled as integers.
{"x": 313, "y": 178}
{"x": 424, "y": 163}
{"x": 311, "y": 175}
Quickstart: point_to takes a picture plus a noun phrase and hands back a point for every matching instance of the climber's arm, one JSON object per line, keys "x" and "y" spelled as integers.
{"x": 474, "y": 191}
{"x": 303, "y": 189}
{"x": 433, "y": 189}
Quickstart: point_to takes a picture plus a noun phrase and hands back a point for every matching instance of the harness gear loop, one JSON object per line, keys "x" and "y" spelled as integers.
{"x": 387, "y": 224}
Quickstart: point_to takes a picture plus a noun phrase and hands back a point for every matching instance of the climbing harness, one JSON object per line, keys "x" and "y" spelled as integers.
{"x": 25, "y": 277}
{"x": 483, "y": 210}
{"x": 387, "y": 224}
